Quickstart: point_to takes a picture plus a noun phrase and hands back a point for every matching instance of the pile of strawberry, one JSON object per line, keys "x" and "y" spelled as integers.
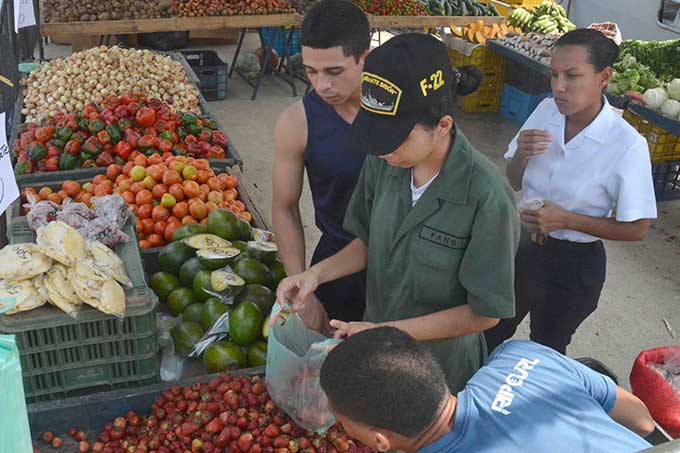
{"x": 101, "y": 135}
{"x": 230, "y": 414}
{"x": 393, "y": 7}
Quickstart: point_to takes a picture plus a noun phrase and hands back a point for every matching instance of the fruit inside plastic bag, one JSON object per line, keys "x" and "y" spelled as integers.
{"x": 102, "y": 230}
{"x": 59, "y": 290}
{"x": 73, "y": 214}
{"x": 109, "y": 262}
{"x": 23, "y": 261}
{"x": 94, "y": 287}
{"x": 113, "y": 208}
{"x": 27, "y": 297}
{"x": 40, "y": 213}
{"x": 61, "y": 242}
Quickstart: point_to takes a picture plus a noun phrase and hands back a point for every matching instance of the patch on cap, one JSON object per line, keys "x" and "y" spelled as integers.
{"x": 379, "y": 95}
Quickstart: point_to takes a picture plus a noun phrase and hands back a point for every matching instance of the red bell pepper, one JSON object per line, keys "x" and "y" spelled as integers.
{"x": 147, "y": 143}
{"x": 132, "y": 108}
{"x": 151, "y": 131}
{"x": 155, "y": 103}
{"x": 205, "y": 136}
{"x": 72, "y": 147}
{"x": 111, "y": 102}
{"x": 165, "y": 146}
{"x": 109, "y": 117}
{"x": 190, "y": 139}
{"x": 44, "y": 134}
{"x": 132, "y": 137}
{"x": 52, "y": 164}
{"x": 121, "y": 112}
{"x": 219, "y": 138}
{"x": 104, "y": 159}
{"x": 126, "y": 98}
{"x": 123, "y": 149}
{"x": 53, "y": 151}
{"x": 89, "y": 110}
{"x": 146, "y": 117}
{"x": 89, "y": 163}
{"x": 104, "y": 137}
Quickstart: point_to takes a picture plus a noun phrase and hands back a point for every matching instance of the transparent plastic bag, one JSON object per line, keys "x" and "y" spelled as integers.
{"x": 74, "y": 214}
{"x": 172, "y": 364}
{"x": 112, "y": 208}
{"x": 102, "y": 230}
{"x": 15, "y": 433}
{"x": 217, "y": 332}
{"x": 40, "y": 213}
{"x": 294, "y": 358}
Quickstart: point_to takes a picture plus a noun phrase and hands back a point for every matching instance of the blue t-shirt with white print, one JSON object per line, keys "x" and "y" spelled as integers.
{"x": 529, "y": 398}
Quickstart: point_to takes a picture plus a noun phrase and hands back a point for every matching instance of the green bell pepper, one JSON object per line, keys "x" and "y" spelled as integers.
{"x": 37, "y": 151}
{"x": 189, "y": 118}
{"x": 114, "y": 133}
{"x": 96, "y": 126}
{"x": 64, "y": 133}
{"x": 68, "y": 162}
{"x": 195, "y": 129}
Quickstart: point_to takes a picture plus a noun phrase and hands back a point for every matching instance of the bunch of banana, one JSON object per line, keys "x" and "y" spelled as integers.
{"x": 548, "y": 17}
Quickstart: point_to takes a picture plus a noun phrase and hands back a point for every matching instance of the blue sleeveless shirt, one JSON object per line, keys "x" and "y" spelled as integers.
{"x": 332, "y": 168}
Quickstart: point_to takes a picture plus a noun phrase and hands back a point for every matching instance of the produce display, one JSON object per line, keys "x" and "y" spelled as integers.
{"x": 548, "y": 17}
{"x": 209, "y": 270}
{"x": 164, "y": 193}
{"x": 533, "y": 45}
{"x": 228, "y": 414}
{"x": 460, "y": 8}
{"x": 631, "y": 75}
{"x": 69, "y": 84}
{"x": 663, "y": 57}
{"x": 64, "y": 269}
{"x": 115, "y": 131}
{"x": 393, "y": 8}
{"x": 199, "y": 8}
{"x": 478, "y": 33}
{"x": 664, "y": 98}
{"x": 91, "y": 10}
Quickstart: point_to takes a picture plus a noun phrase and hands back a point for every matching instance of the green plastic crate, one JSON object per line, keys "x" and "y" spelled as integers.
{"x": 61, "y": 356}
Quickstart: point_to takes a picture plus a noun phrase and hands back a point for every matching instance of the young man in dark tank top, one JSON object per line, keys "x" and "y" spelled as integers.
{"x": 309, "y": 136}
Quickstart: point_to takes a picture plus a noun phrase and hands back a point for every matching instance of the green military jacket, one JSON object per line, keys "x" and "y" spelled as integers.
{"x": 456, "y": 246}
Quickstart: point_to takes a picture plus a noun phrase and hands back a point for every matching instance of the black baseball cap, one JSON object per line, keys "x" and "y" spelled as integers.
{"x": 401, "y": 79}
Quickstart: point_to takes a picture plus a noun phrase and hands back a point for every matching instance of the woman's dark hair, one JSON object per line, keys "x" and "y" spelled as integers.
{"x": 602, "y": 51}
{"x": 383, "y": 378}
{"x": 468, "y": 79}
{"x": 336, "y": 23}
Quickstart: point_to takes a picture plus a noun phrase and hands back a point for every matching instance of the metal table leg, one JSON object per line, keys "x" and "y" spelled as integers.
{"x": 241, "y": 37}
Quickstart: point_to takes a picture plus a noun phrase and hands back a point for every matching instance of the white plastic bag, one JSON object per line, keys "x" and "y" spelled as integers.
{"x": 294, "y": 358}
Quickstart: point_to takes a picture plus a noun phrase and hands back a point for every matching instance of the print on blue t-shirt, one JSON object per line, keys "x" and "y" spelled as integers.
{"x": 529, "y": 398}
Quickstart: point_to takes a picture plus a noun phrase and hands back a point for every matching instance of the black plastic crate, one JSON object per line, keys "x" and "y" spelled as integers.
{"x": 526, "y": 79}
{"x": 666, "y": 181}
{"x": 211, "y": 72}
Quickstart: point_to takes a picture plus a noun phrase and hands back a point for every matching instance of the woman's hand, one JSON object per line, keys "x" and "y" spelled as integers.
{"x": 347, "y": 329}
{"x": 533, "y": 142}
{"x": 547, "y": 219}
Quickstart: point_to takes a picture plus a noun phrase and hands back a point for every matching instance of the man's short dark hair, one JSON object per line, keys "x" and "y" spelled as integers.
{"x": 383, "y": 378}
{"x": 336, "y": 23}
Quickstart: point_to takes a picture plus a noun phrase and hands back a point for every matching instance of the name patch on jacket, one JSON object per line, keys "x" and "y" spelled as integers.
{"x": 442, "y": 238}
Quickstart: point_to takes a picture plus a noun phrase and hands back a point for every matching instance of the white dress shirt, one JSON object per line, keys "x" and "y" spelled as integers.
{"x": 603, "y": 170}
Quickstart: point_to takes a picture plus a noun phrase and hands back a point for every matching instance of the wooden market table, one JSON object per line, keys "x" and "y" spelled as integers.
{"x": 284, "y": 24}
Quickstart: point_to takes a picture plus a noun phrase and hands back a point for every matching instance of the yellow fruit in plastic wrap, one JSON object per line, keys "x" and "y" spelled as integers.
{"x": 97, "y": 289}
{"x": 107, "y": 260}
{"x": 23, "y": 261}
{"x": 61, "y": 242}
{"x": 26, "y": 296}
{"x": 60, "y": 292}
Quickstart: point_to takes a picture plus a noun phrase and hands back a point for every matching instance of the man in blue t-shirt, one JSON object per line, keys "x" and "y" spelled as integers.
{"x": 390, "y": 393}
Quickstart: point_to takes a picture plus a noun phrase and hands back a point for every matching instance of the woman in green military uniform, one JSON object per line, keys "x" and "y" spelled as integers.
{"x": 435, "y": 221}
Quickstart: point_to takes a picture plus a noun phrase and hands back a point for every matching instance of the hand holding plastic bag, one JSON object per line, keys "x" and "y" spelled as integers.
{"x": 294, "y": 358}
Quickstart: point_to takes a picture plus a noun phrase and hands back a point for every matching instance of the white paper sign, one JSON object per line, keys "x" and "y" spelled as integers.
{"x": 8, "y": 183}
{"x": 24, "y": 14}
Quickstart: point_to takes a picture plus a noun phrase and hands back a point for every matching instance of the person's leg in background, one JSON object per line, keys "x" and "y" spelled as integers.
{"x": 577, "y": 274}
{"x": 529, "y": 278}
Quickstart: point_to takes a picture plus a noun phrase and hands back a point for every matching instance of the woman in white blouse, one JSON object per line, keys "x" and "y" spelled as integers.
{"x": 591, "y": 172}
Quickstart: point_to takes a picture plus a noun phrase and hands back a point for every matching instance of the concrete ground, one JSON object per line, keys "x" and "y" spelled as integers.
{"x": 639, "y": 304}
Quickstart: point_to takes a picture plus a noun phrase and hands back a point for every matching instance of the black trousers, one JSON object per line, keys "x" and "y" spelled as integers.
{"x": 345, "y": 298}
{"x": 559, "y": 283}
